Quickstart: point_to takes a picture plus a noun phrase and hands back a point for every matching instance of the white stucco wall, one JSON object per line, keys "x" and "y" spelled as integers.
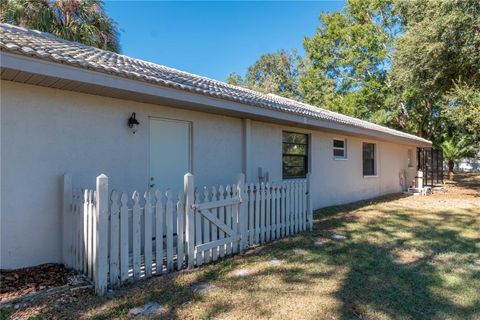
{"x": 47, "y": 132}
{"x": 333, "y": 181}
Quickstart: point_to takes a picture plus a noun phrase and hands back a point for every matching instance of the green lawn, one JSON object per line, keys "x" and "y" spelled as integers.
{"x": 403, "y": 258}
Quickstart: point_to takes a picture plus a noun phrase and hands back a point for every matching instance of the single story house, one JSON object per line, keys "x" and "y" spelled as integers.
{"x": 68, "y": 107}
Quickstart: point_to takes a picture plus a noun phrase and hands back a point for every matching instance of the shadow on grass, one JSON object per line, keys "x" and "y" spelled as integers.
{"x": 380, "y": 285}
{"x": 407, "y": 265}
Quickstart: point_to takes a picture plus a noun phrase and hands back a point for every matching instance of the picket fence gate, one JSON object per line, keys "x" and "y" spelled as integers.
{"x": 112, "y": 239}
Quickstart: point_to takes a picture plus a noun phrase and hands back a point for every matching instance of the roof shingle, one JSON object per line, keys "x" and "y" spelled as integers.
{"x": 48, "y": 47}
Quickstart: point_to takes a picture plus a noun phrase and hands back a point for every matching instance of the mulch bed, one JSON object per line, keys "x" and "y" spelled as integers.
{"x": 15, "y": 283}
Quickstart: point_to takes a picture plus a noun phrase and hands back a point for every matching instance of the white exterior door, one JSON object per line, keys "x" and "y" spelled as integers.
{"x": 170, "y": 157}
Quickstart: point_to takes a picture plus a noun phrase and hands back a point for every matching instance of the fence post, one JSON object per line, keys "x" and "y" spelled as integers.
{"x": 188, "y": 186}
{"x": 101, "y": 215}
{"x": 242, "y": 212}
{"x": 309, "y": 201}
{"x": 67, "y": 221}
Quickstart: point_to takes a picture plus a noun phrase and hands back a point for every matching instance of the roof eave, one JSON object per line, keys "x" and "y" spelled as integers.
{"x": 124, "y": 88}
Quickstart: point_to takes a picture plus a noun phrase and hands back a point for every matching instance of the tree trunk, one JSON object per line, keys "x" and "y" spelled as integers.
{"x": 451, "y": 164}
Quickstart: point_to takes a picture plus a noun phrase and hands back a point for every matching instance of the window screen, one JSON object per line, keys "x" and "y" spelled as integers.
{"x": 339, "y": 148}
{"x": 410, "y": 157}
{"x": 294, "y": 155}
{"x": 368, "y": 159}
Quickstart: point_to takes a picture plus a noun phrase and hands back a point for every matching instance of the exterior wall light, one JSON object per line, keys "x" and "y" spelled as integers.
{"x": 133, "y": 123}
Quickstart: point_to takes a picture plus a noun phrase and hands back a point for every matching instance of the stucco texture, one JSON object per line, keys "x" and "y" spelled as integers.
{"x": 48, "y": 132}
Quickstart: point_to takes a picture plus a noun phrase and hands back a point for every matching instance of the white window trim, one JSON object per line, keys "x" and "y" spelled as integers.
{"x": 345, "y": 155}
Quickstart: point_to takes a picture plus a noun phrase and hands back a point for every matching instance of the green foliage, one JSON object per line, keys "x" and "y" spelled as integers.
{"x": 5, "y": 313}
{"x": 235, "y": 79}
{"x": 440, "y": 47}
{"x": 461, "y": 111}
{"x": 276, "y": 73}
{"x": 412, "y": 65}
{"x": 83, "y": 21}
{"x": 455, "y": 149}
{"x": 349, "y": 56}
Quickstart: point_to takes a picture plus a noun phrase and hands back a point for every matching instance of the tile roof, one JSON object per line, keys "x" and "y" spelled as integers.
{"x": 48, "y": 47}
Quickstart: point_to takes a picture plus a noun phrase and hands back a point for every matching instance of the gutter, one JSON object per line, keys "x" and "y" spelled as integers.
{"x": 83, "y": 80}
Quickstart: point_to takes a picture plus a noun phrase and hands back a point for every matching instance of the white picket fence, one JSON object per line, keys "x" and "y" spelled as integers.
{"x": 113, "y": 239}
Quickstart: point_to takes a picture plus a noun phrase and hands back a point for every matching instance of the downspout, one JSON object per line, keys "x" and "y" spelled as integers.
{"x": 247, "y": 150}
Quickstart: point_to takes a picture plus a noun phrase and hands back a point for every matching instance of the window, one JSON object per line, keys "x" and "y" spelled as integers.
{"x": 368, "y": 159}
{"x": 295, "y": 155}
{"x": 340, "y": 148}
{"x": 410, "y": 158}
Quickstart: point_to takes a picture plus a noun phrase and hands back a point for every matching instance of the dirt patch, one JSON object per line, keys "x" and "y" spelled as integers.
{"x": 407, "y": 256}
{"x": 20, "y": 282}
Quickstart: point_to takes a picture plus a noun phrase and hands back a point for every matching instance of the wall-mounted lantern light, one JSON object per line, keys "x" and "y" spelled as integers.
{"x": 133, "y": 123}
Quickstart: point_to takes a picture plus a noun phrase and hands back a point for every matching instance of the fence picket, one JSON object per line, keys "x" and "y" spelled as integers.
{"x": 114, "y": 240}
{"x": 295, "y": 195}
{"x": 159, "y": 218}
{"x": 251, "y": 215}
{"x": 82, "y": 231}
{"x": 301, "y": 204}
{"x": 278, "y": 211}
{"x": 292, "y": 208}
{"x": 124, "y": 239}
{"x": 91, "y": 234}
{"x": 297, "y": 208}
{"x": 136, "y": 227}
{"x": 85, "y": 231}
{"x": 169, "y": 225}
{"x": 221, "y": 217}
{"x": 206, "y": 228}
{"x": 261, "y": 212}
{"x": 75, "y": 230}
{"x": 198, "y": 231}
{"x": 214, "y": 227}
{"x": 257, "y": 213}
{"x": 228, "y": 217}
{"x": 235, "y": 216}
{"x": 273, "y": 211}
{"x": 101, "y": 256}
{"x": 287, "y": 208}
{"x": 94, "y": 231}
{"x": 180, "y": 230}
{"x": 188, "y": 188}
{"x": 79, "y": 223}
{"x": 267, "y": 211}
{"x": 147, "y": 247}
{"x": 304, "y": 207}
{"x": 299, "y": 185}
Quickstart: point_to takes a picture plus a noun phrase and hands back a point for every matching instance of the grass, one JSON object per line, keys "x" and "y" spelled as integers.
{"x": 403, "y": 258}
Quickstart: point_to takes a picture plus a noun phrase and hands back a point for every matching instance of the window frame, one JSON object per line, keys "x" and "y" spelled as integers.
{"x": 345, "y": 156}
{"x": 305, "y": 156}
{"x": 410, "y": 158}
{"x": 374, "y": 159}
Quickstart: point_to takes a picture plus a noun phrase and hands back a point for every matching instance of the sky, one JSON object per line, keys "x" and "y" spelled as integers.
{"x": 215, "y": 38}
